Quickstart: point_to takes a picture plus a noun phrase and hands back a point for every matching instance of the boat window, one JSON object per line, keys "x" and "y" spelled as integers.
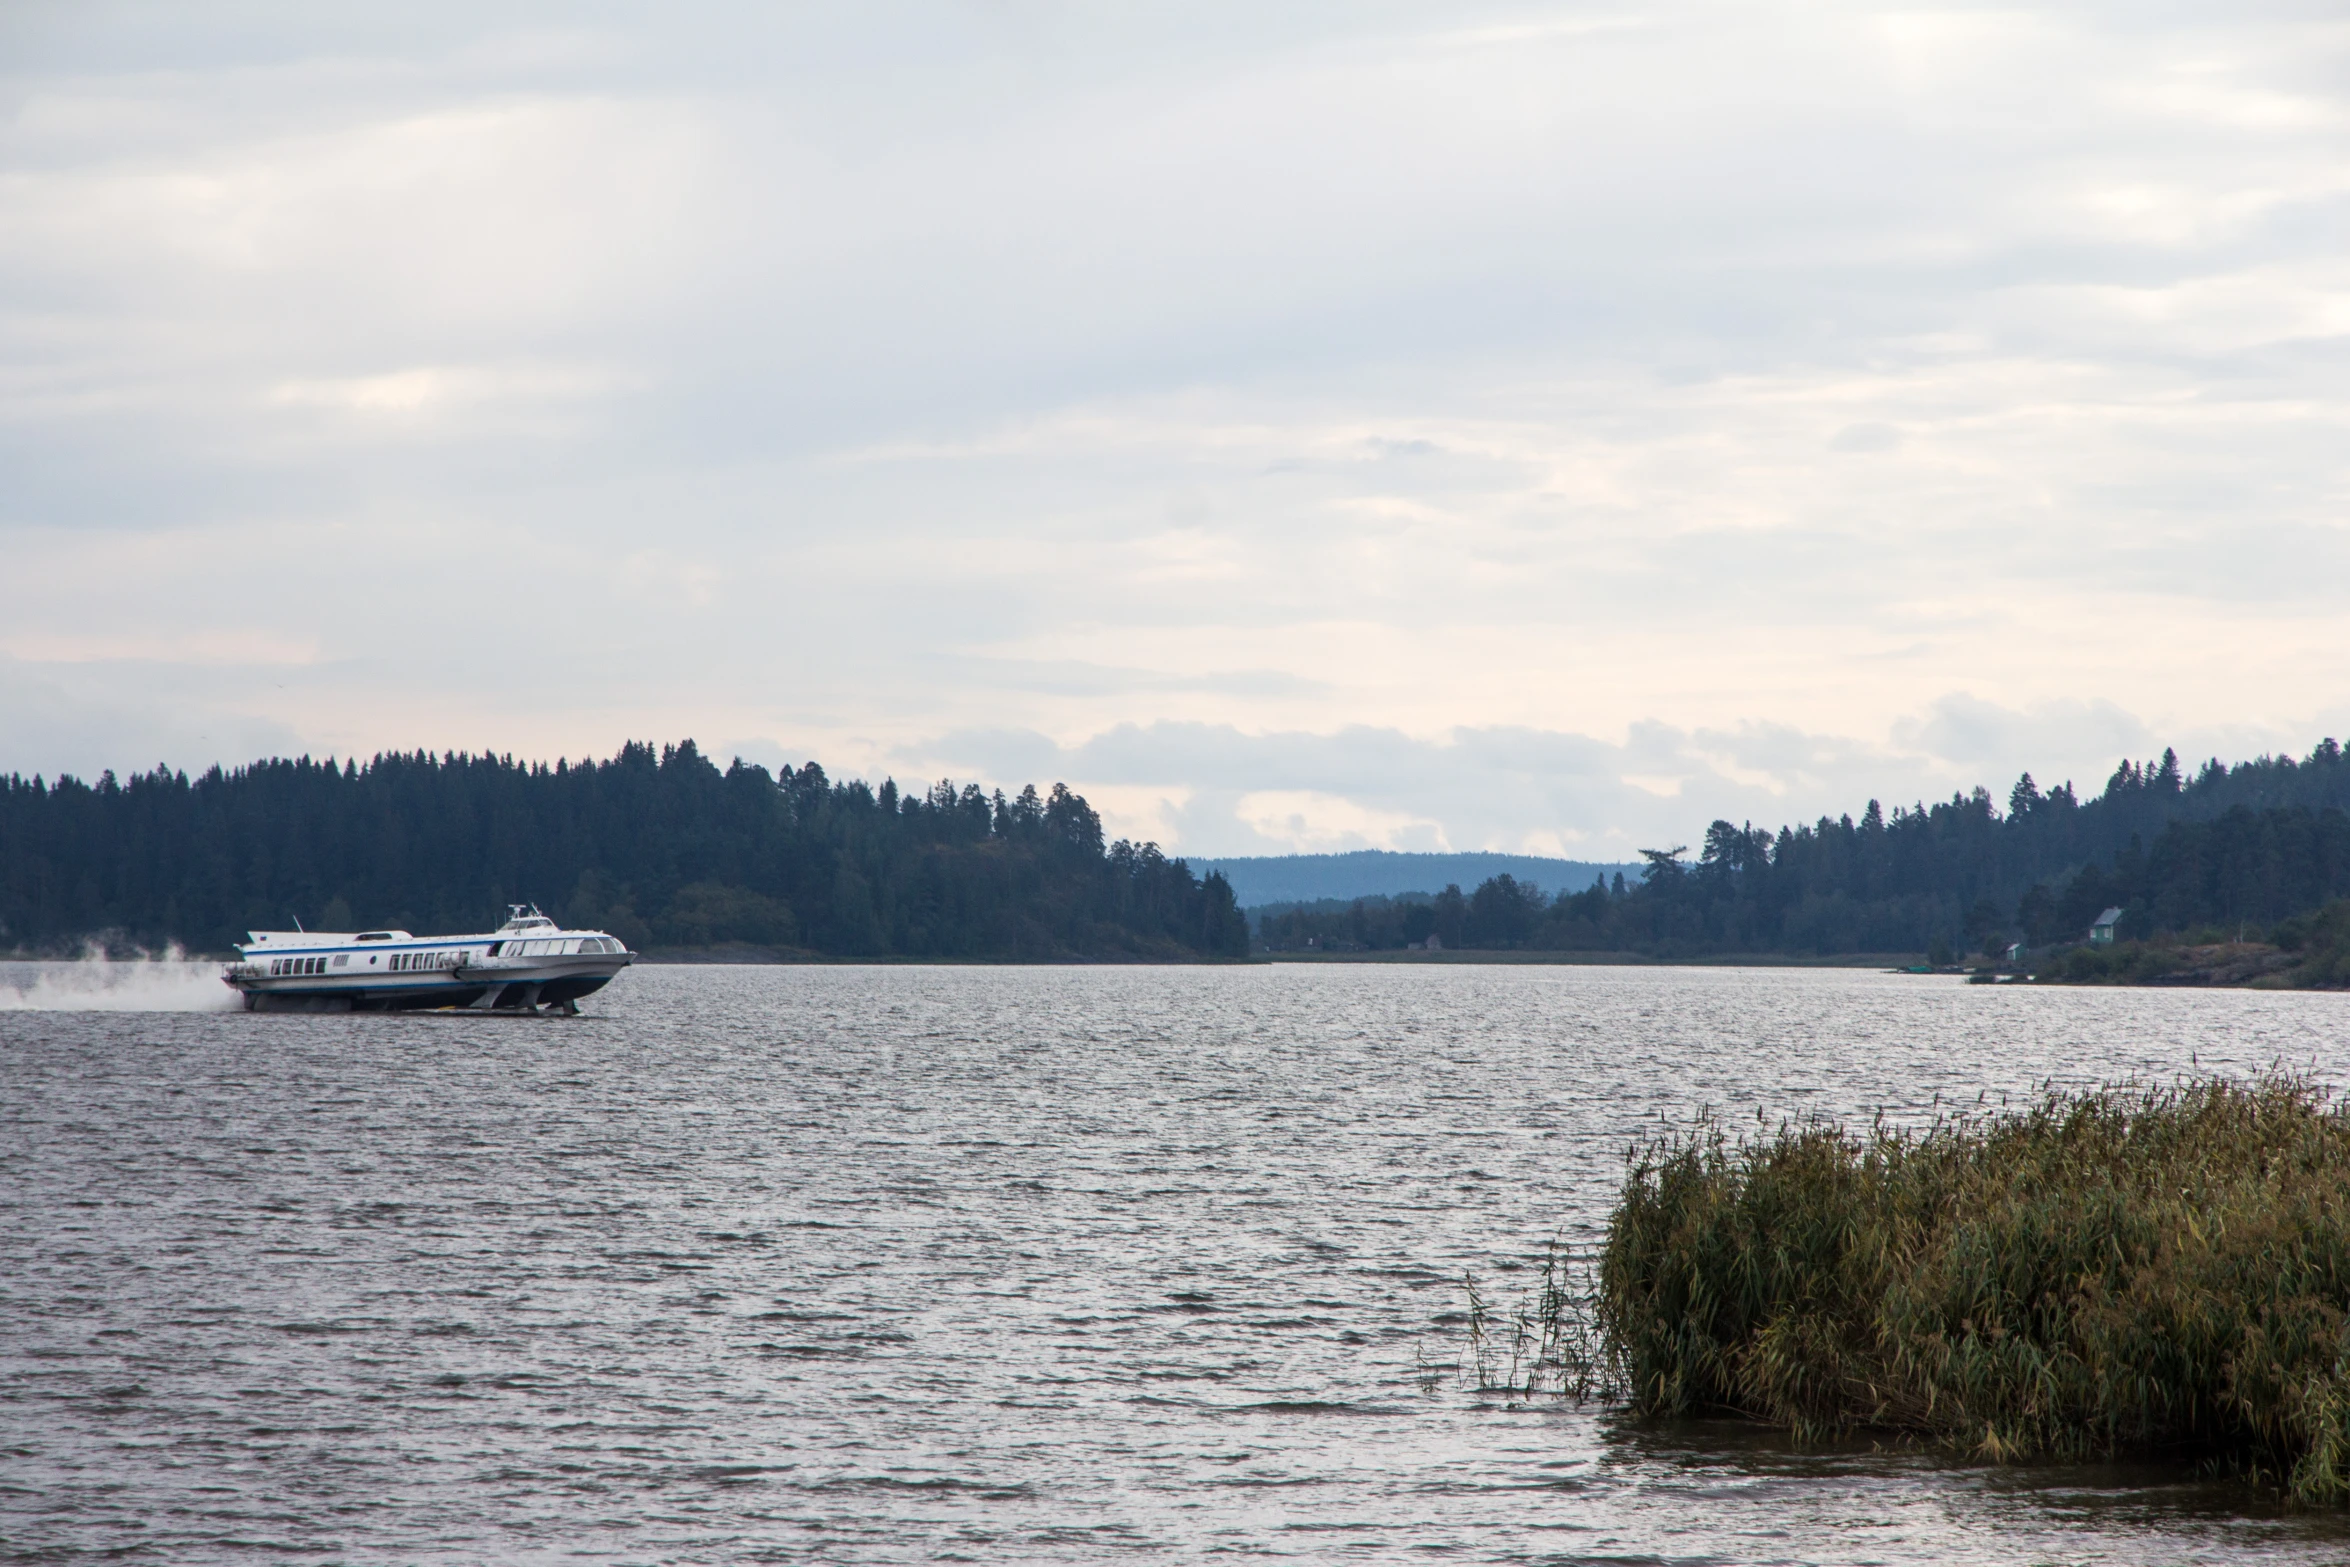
{"x": 373, "y": 935}
{"x": 341, "y": 959}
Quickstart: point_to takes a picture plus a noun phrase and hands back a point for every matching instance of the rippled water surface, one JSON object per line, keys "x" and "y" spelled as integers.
{"x": 908, "y": 1264}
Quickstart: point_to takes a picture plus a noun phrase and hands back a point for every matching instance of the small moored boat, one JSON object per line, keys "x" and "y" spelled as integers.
{"x": 527, "y": 964}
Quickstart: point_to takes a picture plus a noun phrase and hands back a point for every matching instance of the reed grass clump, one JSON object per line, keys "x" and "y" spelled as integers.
{"x": 2131, "y": 1272}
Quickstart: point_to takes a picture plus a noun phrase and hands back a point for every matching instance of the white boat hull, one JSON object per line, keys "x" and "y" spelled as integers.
{"x": 527, "y": 965}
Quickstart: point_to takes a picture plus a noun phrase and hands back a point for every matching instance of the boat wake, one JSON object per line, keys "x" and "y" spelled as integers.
{"x": 99, "y": 982}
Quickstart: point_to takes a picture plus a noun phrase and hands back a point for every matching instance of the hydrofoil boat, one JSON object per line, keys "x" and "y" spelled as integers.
{"x": 528, "y": 964}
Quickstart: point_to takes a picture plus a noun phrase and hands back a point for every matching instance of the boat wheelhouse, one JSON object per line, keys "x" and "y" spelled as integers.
{"x": 528, "y": 964}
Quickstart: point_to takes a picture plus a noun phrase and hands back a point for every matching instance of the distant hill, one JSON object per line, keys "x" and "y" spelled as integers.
{"x": 1308, "y": 878}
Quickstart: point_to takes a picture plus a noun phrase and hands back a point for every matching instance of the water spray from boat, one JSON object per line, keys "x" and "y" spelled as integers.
{"x": 99, "y": 981}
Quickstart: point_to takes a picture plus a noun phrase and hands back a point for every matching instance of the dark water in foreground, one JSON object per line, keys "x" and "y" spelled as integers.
{"x": 989, "y": 1264}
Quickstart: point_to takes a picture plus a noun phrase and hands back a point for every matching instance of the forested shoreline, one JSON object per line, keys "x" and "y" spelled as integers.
{"x": 661, "y": 848}
{"x": 2238, "y": 848}
{"x": 667, "y": 850}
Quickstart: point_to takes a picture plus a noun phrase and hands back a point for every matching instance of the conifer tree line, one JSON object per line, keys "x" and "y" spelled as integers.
{"x": 2230, "y": 849}
{"x": 664, "y": 848}
{"x": 660, "y": 848}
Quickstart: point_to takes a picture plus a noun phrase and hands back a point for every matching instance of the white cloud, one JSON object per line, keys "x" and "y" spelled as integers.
{"x": 1313, "y": 822}
{"x": 1523, "y": 426}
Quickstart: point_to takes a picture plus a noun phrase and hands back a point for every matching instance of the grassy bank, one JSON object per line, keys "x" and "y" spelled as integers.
{"x": 2151, "y": 1274}
{"x": 2307, "y": 952}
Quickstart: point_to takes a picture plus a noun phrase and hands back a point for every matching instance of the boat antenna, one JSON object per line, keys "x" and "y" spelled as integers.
{"x": 298, "y": 924}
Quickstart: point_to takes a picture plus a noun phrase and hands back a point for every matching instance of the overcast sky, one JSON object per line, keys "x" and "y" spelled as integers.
{"x": 1454, "y": 425}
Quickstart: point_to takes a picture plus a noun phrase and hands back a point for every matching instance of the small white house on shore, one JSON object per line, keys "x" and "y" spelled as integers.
{"x": 2101, "y": 933}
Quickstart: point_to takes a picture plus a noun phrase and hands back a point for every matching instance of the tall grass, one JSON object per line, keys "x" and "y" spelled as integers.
{"x": 2151, "y": 1272}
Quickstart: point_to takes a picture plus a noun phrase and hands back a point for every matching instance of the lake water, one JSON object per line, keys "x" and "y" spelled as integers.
{"x": 986, "y": 1264}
